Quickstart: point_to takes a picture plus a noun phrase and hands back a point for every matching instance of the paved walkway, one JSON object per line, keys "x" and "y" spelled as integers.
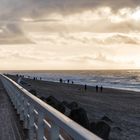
{"x": 10, "y": 129}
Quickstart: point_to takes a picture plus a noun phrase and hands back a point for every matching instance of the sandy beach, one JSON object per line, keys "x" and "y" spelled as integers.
{"x": 121, "y": 106}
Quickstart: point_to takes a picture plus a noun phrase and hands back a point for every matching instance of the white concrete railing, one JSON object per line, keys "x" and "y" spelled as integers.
{"x": 43, "y": 121}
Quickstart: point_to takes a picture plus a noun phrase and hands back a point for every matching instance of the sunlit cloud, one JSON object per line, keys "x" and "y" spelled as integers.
{"x": 136, "y": 14}
{"x": 70, "y": 34}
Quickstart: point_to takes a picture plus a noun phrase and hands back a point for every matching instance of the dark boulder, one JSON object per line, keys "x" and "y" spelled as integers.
{"x": 79, "y": 115}
{"x": 43, "y": 99}
{"x": 72, "y": 105}
{"x": 65, "y": 103}
{"x": 23, "y": 82}
{"x": 33, "y": 91}
{"x": 117, "y": 129}
{"x": 106, "y": 119}
{"x": 92, "y": 127}
{"x": 55, "y": 103}
{"x": 61, "y": 108}
{"x": 102, "y": 129}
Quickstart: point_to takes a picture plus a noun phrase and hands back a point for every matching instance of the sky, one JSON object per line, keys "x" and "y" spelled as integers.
{"x": 69, "y": 34}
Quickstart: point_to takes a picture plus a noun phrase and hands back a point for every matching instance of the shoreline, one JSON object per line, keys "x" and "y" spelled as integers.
{"x": 116, "y": 79}
{"x": 91, "y": 86}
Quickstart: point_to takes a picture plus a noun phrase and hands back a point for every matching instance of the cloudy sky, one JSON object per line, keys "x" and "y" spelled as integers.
{"x": 69, "y": 34}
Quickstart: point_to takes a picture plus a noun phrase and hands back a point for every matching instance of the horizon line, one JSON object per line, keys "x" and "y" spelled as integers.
{"x": 67, "y": 69}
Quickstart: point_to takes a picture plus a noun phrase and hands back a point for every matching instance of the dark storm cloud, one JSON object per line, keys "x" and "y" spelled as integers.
{"x": 12, "y": 34}
{"x": 13, "y": 11}
{"x": 36, "y": 8}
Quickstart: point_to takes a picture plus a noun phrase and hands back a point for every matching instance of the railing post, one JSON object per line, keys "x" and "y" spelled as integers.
{"x": 54, "y": 132}
{"x": 40, "y": 124}
{"x": 26, "y": 112}
{"x": 21, "y": 108}
{"x": 17, "y": 103}
{"x": 11, "y": 92}
{"x": 31, "y": 122}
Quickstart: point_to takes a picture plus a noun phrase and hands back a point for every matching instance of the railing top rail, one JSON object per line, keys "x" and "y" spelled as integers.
{"x": 61, "y": 120}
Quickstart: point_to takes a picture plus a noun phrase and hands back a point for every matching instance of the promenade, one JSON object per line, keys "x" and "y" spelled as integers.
{"x": 10, "y": 128}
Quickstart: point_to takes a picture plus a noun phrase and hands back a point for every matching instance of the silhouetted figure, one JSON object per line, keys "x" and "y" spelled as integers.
{"x": 68, "y": 81}
{"x": 60, "y": 80}
{"x": 40, "y": 78}
{"x": 101, "y": 88}
{"x": 85, "y": 87}
{"x": 96, "y": 88}
{"x": 72, "y": 82}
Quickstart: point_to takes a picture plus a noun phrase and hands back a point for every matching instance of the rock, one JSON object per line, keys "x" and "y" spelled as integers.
{"x": 33, "y": 91}
{"x": 117, "y": 129}
{"x": 43, "y": 99}
{"x": 92, "y": 127}
{"x": 79, "y": 115}
{"x": 65, "y": 103}
{"x": 67, "y": 110}
{"x": 56, "y": 104}
{"x": 72, "y": 105}
{"x": 105, "y": 118}
{"x": 23, "y": 82}
{"x": 61, "y": 108}
{"x": 102, "y": 129}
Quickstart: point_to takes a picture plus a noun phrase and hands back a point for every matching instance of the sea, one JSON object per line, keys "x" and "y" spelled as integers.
{"x": 118, "y": 79}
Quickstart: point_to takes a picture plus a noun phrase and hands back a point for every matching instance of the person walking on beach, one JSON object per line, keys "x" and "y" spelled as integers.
{"x": 96, "y": 88}
{"x": 61, "y": 81}
{"x": 85, "y": 87}
{"x": 101, "y": 88}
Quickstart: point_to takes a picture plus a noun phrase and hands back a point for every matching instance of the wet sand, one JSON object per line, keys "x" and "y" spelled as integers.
{"x": 121, "y": 106}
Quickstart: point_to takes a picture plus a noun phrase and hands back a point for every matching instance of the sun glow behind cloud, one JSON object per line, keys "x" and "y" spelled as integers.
{"x": 94, "y": 38}
{"x": 136, "y": 14}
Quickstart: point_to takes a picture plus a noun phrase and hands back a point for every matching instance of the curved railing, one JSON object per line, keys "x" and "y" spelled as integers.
{"x": 43, "y": 121}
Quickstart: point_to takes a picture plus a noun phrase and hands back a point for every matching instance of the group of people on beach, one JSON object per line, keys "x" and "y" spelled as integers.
{"x": 85, "y": 86}
{"x": 97, "y": 88}
{"x": 64, "y": 81}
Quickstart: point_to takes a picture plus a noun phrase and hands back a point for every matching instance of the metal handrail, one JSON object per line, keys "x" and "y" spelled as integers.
{"x": 39, "y": 116}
